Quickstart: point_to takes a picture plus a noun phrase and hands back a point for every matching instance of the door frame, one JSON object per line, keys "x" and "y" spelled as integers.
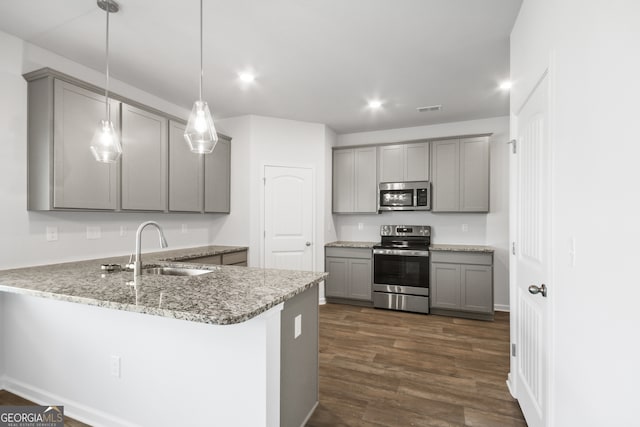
{"x": 263, "y": 187}
{"x": 549, "y": 73}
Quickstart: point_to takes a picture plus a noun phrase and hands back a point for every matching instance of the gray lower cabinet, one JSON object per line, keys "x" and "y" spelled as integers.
{"x": 404, "y": 162}
{"x": 62, "y": 173}
{"x": 238, "y": 258}
{"x": 217, "y": 178}
{"x": 144, "y": 160}
{"x": 355, "y": 180}
{"x": 350, "y": 273}
{"x": 461, "y": 283}
{"x": 460, "y": 175}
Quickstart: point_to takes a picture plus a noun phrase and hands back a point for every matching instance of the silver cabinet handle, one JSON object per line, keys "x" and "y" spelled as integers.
{"x": 542, "y": 289}
{"x": 308, "y": 244}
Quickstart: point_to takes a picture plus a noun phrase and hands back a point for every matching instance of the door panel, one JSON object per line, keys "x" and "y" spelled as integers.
{"x": 446, "y": 176}
{"x": 343, "y": 181}
{"x": 336, "y": 282}
{"x": 532, "y": 259}
{"x": 445, "y": 286}
{"x": 217, "y": 174}
{"x": 474, "y": 175}
{"x": 416, "y": 160}
{"x": 477, "y": 288}
{"x": 360, "y": 279}
{"x": 391, "y": 163}
{"x": 185, "y": 173}
{"x": 288, "y": 218}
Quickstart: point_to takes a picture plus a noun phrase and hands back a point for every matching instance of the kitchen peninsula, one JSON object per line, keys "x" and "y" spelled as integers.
{"x": 234, "y": 346}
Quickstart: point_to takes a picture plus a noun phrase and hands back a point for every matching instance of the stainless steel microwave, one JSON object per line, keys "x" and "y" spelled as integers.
{"x": 404, "y": 196}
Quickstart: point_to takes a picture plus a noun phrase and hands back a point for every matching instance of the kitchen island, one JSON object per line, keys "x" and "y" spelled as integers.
{"x": 221, "y": 348}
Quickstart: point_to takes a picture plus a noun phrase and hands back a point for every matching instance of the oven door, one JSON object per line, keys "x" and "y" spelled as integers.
{"x": 401, "y": 271}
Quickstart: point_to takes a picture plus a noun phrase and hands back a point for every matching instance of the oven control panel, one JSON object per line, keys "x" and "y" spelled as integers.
{"x": 405, "y": 230}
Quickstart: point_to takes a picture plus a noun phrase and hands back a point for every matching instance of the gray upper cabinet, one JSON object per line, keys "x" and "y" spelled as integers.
{"x": 355, "y": 180}
{"x": 217, "y": 173}
{"x": 62, "y": 172}
{"x": 404, "y": 162}
{"x": 460, "y": 175}
{"x": 185, "y": 173}
{"x": 144, "y": 160}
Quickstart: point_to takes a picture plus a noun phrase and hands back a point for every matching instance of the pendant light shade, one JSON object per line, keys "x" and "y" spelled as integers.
{"x": 201, "y": 133}
{"x": 105, "y": 144}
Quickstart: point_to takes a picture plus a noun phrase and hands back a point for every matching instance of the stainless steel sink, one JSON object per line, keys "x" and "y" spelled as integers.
{"x": 175, "y": 271}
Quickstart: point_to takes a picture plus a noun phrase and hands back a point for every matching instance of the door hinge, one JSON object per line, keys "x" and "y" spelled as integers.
{"x": 513, "y": 349}
{"x": 515, "y": 144}
{"x": 513, "y": 248}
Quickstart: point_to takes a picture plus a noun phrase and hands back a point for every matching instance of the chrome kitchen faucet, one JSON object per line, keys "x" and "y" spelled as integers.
{"x": 137, "y": 267}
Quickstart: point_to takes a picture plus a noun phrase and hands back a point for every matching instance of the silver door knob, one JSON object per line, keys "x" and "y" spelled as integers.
{"x": 308, "y": 244}
{"x": 542, "y": 289}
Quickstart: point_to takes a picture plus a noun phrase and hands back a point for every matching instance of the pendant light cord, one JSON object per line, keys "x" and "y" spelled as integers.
{"x": 201, "y": 66}
{"x": 106, "y": 86}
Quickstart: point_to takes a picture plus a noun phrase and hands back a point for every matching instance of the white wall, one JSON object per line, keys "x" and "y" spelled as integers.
{"x": 591, "y": 48}
{"x": 483, "y": 229}
{"x": 22, "y": 233}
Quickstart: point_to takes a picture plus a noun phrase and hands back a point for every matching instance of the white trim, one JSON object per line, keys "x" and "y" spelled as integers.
{"x": 73, "y": 409}
{"x": 306, "y": 420}
{"x": 322, "y": 301}
{"x": 502, "y": 307}
{"x": 510, "y": 386}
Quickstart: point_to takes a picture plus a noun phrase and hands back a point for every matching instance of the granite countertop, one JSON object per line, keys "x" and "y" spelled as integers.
{"x": 226, "y": 295}
{"x": 461, "y": 248}
{"x": 346, "y": 244}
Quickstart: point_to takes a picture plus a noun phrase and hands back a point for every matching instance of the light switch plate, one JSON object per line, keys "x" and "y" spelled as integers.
{"x": 52, "y": 234}
{"x": 465, "y": 227}
{"x": 114, "y": 366}
{"x": 185, "y": 229}
{"x": 297, "y": 326}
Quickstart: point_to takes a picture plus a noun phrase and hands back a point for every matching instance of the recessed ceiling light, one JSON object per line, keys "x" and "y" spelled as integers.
{"x": 247, "y": 77}
{"x": 375, "y": 104}
{"x": 506, "y": 85}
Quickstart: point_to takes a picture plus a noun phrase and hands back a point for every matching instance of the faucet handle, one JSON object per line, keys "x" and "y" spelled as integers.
{"x": 130, "y": 265}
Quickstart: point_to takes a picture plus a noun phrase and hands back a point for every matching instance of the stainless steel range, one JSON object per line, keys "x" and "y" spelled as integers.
{"x": 401, "y": 268}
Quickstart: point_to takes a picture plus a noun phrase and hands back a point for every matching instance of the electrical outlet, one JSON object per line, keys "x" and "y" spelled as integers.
{"x": 465, "y": 227}
{"x": 94, "y": 232}
{"x": 114, "y": 366}
{"x": 360, "y": 226}
{"x": 185, "y": 229}
{"x": 123, "y": 230}
{"x": 52, "y": 234}
{"x": 297, "y": 326}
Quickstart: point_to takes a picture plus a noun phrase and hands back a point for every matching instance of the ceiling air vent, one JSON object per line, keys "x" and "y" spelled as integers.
{"x": 429, "y": 108}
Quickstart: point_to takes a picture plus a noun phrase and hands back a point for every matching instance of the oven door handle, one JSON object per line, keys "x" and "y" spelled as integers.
{"x": 401, "y": 252}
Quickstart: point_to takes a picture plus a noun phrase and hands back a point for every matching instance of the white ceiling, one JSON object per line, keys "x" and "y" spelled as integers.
{"x": 315, "y": 60}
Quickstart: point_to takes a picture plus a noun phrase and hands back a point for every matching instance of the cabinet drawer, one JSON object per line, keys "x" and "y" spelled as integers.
{"x": 234, "y": 257}
{"x": 462, "y": 257}
{"x": 348, "y": 253}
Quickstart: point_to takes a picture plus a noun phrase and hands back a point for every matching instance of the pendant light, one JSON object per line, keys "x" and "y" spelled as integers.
{"x": 105, "y": 144}
{"x": 201, "y": 133}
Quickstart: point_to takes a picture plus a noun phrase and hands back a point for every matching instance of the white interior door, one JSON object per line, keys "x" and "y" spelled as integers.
{"x": 532, "y": 257}
{"x": 288, "y": 218}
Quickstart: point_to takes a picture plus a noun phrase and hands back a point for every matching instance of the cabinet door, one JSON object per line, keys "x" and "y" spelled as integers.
{"x": 392, "y": 163}
{"x": 474, "y": 174}
{"x": 446, "y": 175}
{"x": 343, "y": 181}
{"x": 79, "y": 180}
{"x": 144, "y": 160}
{"x": 477, "y": 288}
{"x": 360, "y": 282}
{"x": 416, "y": 161}
{"x": 185, "y": 173}
{"x": 217, "y": 173}
{"x": 366, "y": 183}
{"x": 335, "y": 284}
{"x": 445, "y": 285}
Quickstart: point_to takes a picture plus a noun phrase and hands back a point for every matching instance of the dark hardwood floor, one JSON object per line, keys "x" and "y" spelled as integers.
{"x": 386, "y": 368}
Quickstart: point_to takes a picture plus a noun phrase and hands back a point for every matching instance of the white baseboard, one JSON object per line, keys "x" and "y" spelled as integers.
{"x": 501, "y": 307}
{"x": 322, "y": 301}
{"x": 78, "y": 411}
{"x": 509, "y": 386}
